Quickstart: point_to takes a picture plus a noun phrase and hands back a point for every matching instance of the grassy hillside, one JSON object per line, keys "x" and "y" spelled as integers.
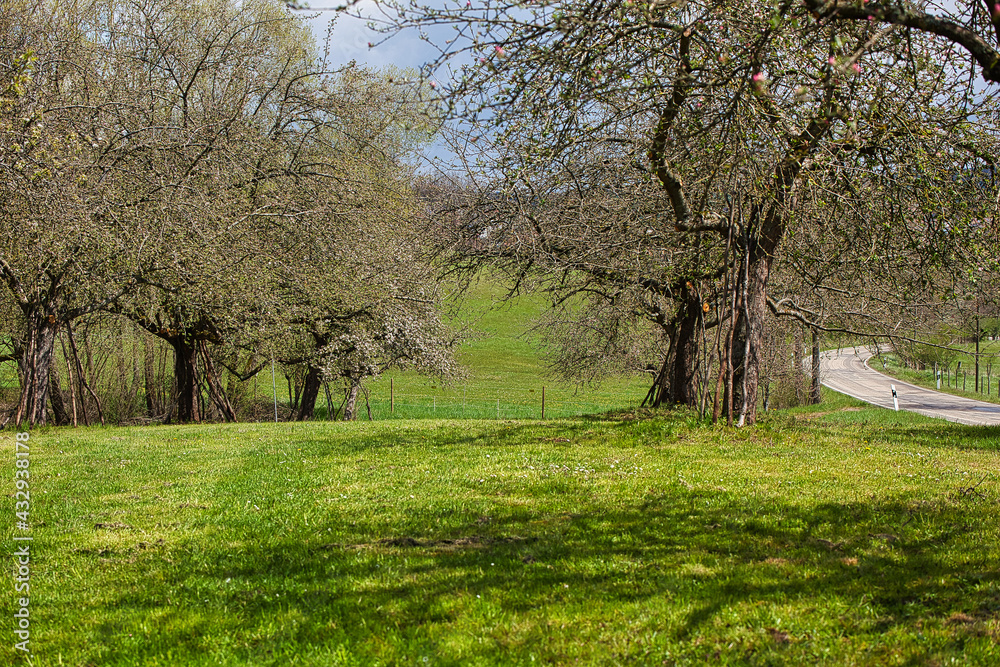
{"x": 840, "y": 534}
{"x": 505, "y": 372}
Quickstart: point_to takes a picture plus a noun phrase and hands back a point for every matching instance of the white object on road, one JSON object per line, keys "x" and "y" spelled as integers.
{"x": 895, "y": 401}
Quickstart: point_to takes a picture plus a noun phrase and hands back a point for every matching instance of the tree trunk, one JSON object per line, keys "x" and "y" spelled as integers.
{"x": 748, "y": 342}
{"x": 798, "y": 367}
{"x": 84, "y": 386}
{"x": 684, "y": 370}
{"x": 59, "y": 413}
{"x": 350, "y": 407}
{"x": 756, "y": 310}
{"x": 185, "y": 375}
{"x": 329, "y": 402}
{"x": 70, "y": 361}
{"x": 677, "y": 381}
{"x": 310, "y": 392}
{"x": 153, "y": 406}
{"x": 36, "y": 363}
{"x": 215, "y": 389}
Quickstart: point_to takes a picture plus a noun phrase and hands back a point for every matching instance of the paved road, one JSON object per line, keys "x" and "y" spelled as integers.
{"x": 847, "y": 371}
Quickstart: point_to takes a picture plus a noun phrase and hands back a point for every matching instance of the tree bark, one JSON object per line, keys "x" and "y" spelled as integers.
{"x": 684, "y": 370}
{"x": 84, "y": 386}
{"x": 350, "y": 407}
{"x": 798, "y": 366}
{"x": 215, "y": 388}
{"x": 310, "y": 392}
{"x": 153, "y": 406}
{"x": 756, "y": 310}
{"x": 35, "y": 365}
{"x": 185, "y": 375}
{"x": 815, "y": 396}
{"x": 677, "y": 381}
{"x": 72, "y": 383}
{"x": 59, "y": 413}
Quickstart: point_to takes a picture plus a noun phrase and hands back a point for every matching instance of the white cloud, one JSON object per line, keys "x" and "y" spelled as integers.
{"x": 350, "y": 36}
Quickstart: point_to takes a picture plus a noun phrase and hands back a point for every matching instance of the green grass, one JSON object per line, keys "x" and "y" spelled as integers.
{"x": 839, "y": 534}
{"x": 505, "y": 373}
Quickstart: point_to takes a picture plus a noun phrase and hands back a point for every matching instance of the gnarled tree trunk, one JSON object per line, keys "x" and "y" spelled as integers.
{"x": 677, "y": 381}
{"x": 310, "y": 392}
{"x": 34, "y": 366}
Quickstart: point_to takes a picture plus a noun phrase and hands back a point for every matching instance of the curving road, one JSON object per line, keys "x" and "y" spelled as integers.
{"x": 847, "y": 371}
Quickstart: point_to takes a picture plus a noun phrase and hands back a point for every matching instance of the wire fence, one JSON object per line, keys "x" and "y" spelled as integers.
{"x": 541, "y": 402}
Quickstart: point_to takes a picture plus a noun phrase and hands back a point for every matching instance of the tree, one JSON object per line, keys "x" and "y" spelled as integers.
{"x": 729, "y": 110}
{"x": 168, "y": 163}
{"x": 64, "y": 242}
{"x": 353, "y": 293}
{"x": 210, "y": 102}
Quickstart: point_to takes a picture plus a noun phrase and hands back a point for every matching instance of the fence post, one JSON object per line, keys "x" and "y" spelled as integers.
{"x": 392, "y": 398}
{"x": 274, "y": 390}
{"x": 543, "y": 402}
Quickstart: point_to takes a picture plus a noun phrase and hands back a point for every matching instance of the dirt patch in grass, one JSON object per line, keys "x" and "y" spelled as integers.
{"x": 405, "y": 542}
{"x": 816, "y": 415}
{"x": 113, "y": 525}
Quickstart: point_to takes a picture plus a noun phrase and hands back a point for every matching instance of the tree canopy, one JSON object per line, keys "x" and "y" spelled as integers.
{"x": 199, "y": 171}
{"x": 665, "y": 160}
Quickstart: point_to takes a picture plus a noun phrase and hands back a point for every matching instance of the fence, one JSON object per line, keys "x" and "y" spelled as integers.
{"x": 390, "y": 401}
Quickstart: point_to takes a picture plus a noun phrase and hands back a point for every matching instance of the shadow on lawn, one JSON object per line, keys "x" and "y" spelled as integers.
{"x": 659, "y": 552}
{"x": 890, "y": 428}
{"x": 684, "y": 557}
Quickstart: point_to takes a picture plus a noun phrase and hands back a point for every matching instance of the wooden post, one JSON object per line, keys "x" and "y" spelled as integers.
{"x": 392, "y": 398}
{"x": 274, "y": 392}
{"x": 543, "y": 402}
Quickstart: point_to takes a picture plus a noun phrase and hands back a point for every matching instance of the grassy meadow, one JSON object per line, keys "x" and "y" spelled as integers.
{"x": 837, "y": 534}
{"x": 504, "y": 372}
{"x": 445, "y": 534}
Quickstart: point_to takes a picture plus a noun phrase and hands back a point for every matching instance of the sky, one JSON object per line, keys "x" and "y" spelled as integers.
{"x": 349, "y": 39}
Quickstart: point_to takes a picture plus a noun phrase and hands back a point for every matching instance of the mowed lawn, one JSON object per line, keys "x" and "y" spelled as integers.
{"x": 833, "y": 535}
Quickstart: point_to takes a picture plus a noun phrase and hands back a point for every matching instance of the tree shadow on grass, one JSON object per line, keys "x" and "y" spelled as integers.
{"x": 566, "y": 584}
{"x": 383, "y": 595}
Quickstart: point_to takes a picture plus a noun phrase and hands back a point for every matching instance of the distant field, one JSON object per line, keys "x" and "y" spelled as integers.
{"x": 506, "y": 373}
{"x": 839, "y": 534}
